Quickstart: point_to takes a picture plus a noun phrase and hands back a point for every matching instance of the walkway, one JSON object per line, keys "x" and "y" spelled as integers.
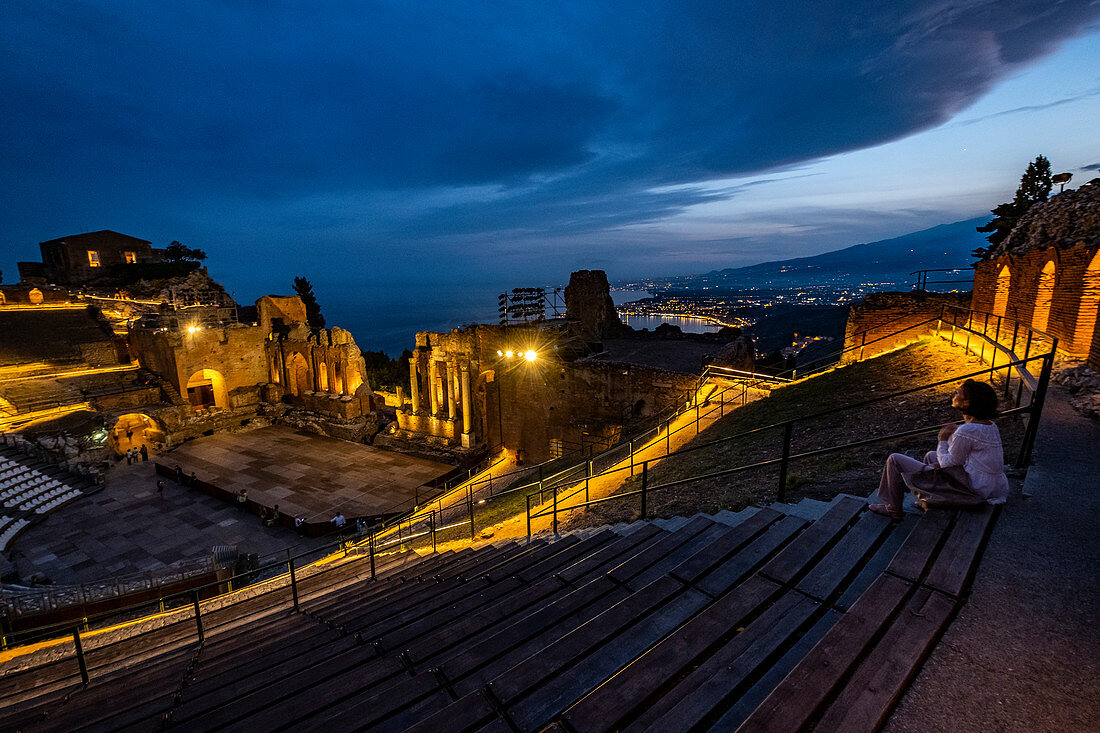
{"x": 1024, "y": 652}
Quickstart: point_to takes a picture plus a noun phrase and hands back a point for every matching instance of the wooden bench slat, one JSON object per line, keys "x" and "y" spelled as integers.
{"x": 915, "y": 553}
{"x": 738, "y": 567}
{"x": 791, "y": 704}
{"x": 867, "y": 698}
{"x": 466, "y": 714}
{"x": 464, "y": 632}
{"x": 878, "y": 562}
{"x": 708, "y": 689}
{"x": 797, "y": 557}
{"x": 515, "y": 635}
{"x": 956, "y": 562}
{"x": 526, "y": 675}
{"x": 361, "y": 709}
{"x": 609, "y": 554}
{"x": 726, "y": 544}
{"x": 531, "y": 573}
{"x": 553, "y": 696}
{"x": 627, "y": 569}
{"x": 752, "y": 697}
{"x": 256, "y": 694}
{"x": 844, "y": 558}
{"x": 609, "y": 704}
{"x": 663, "y": 565}
{"x": 535, "y": 641}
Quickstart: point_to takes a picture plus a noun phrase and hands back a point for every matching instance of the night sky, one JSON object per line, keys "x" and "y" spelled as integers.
{"x": 427, "y": 142}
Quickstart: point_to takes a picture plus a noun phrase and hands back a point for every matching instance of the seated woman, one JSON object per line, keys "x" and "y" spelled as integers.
{"x": 966, "y": 469}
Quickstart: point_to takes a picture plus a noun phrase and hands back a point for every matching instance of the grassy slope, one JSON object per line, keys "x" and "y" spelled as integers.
{"x": 854, "y": 471}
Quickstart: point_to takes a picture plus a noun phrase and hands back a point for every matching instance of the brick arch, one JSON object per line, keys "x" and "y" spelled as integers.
{"x": 1002, "y": 285}
{"x": 1044, "y": 295}
{"x": 1085, "y": 332}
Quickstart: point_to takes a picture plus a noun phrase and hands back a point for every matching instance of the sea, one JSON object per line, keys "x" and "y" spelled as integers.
{"x": 387, "y": 317}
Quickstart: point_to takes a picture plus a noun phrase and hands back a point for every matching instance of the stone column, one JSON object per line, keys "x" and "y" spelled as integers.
{"x": 452, "y": 389}
{"x": 467, "y": 418}
{"x": 414, "y": 387}
{"x": 433, "y": 386}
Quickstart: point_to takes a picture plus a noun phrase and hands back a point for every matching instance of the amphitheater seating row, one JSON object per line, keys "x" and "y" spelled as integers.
{"x": 773, "y": 623}
{"x": 25, "y": 488}
{"x": 9, "y": 528}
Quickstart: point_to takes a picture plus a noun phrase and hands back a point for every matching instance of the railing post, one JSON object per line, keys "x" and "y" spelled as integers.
{"x": 782, "y": 494}
{"x": 645, "y": 483}
{"x": 470, "y": 507}
{"x": 1036, "y": 412}
{"x": 293, "y": 580}
{"x": 198, "y": 615}
{"x": 555, "y": 519}
{"x": 631, "y": 446}
{"x": 1012, "y": 349}
{"x": 862, "y": 344}
{"x": 668, "y": 434}
{"x": 370, "y": 551}
{"x": 431, "y": 525}
{"x": 80, "y": 656}
{"x": 529, "y": 517}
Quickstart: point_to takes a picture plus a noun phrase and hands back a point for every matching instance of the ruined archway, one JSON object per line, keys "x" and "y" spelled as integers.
{"x": 206, "y": 390}
{"x": 298, "y": 375}
{"x": 133, "y": 430}
{"x": 35, "y": 296}
{"x": 338, "y": 378}
{"x": 1044, "y": 296}
{"x": 1000, "y": 293}
{"x": 1089, "y": 307}
{"x": 322, "y": 377}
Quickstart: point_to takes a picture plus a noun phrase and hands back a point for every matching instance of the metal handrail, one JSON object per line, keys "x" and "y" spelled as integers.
{"x": 1033, "y": 409}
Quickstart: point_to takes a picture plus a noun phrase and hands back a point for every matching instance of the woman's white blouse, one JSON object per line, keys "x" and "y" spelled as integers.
{"x": 977, "y": 448}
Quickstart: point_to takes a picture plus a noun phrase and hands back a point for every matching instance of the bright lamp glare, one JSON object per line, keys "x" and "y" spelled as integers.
{"x": 530, "y": 356}
{"x": 191, "y": 329}
{"x": 500, "y": 353}
{"x": 508, "y": 353}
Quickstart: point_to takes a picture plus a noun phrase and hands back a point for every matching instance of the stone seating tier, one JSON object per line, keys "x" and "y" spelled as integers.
{"x": 759, "y": 620}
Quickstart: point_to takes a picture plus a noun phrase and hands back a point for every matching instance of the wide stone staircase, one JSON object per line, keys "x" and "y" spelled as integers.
{"x": 790, "y": 617}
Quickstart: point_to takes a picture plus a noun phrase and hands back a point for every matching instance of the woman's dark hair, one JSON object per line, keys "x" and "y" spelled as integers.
{"x": 981, "y": 400}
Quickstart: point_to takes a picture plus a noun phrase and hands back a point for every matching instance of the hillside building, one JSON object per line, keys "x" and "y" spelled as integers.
{"x": 79, "y": 258}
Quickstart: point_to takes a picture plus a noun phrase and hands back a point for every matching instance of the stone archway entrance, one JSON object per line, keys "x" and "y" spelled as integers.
{"x": 134, "y": 430}
{"x": 298, "y": 375}
{"x": 206, "y": 390}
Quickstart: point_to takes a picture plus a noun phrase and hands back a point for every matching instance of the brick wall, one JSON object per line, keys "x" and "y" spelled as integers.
{"x": 878, "y": 323}
{"x": 1073, "y": 303}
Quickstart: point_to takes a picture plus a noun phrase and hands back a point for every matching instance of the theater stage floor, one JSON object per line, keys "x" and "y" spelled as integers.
{"x": 306, "y": 474}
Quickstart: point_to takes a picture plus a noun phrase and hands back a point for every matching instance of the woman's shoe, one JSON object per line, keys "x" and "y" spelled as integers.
{"x": 886, "y": 510}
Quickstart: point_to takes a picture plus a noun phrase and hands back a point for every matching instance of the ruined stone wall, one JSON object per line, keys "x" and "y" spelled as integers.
{"x": 584, "y": 405}
{"x": 235, "y": 351}
{"x": 877, "y": 324}
{"x": 588, "y": 304}
{"x": 1062, "y": 302}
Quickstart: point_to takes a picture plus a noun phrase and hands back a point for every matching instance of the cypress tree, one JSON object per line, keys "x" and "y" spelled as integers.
{"x": 1035, "y": 185}
{"x": 304, "y": 290}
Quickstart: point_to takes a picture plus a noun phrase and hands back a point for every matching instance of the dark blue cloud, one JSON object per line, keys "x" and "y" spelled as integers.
{"x": 567, "y": 115}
